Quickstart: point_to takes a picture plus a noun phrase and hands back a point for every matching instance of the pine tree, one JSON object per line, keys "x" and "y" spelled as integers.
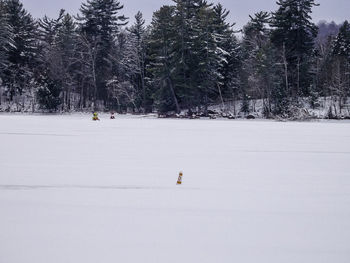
{"x": 100, "y": 22}
{"x": 138, "y": 38}
{"x": 67, "y": 39}
{"x": 58, "y": 57}
{"x": 260, "y": 72}
{"x": 22, "y": 53}
{"x": 6, "y": 38}
{"x": 186, "y": 29}
{"x": 48, "y": 29}
{"x": 209, "y": 58}
{"x": 229, "y": 50}
{"x": 198, "y": 56}
{"x": 342, "y": 41}
{"x": 255, "y": 78}
{"x": 340, "y": 81}
{"x": 6, "y": 41}
{"x": 50, "y": 85}
{"x": 294, "y": 35}
{"x": 48, "y": 93}
{"x": 161, "y": 54}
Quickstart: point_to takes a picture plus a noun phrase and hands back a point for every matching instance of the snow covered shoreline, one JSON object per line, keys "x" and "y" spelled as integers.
{"x": 106, "y": 117}
{"x": 324, "y": 109}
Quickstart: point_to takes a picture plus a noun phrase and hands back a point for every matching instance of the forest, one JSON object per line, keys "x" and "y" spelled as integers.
{"x": 189, "y": 58}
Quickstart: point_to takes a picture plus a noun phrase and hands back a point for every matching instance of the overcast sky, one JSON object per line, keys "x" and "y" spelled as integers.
{"x": 336, "y": 10}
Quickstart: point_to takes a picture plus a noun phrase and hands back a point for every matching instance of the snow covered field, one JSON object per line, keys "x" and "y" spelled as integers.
{"x": 77, "y": 191}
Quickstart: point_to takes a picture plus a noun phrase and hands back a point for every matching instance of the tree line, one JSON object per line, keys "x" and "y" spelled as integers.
{"x": 189, "y": 57}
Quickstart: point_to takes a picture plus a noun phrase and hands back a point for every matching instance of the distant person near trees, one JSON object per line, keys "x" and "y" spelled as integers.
{"x": 95, "y": 117}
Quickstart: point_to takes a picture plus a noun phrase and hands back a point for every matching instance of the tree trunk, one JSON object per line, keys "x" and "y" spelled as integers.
{"x": 298, "y": 76}
{"x": 222, "y": 99}
{"x": 178, "y": 110}
{"x": 285, "y": 62}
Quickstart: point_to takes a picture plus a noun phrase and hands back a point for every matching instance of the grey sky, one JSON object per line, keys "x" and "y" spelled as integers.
{"x": 336, "y": 10}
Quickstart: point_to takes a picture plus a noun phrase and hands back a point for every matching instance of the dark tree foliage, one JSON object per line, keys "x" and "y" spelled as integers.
{"x": 294, "y": 35}
{"x": 6, "y": 38}
{"x": 99, "y": 22}
{"x": 342, "y": 41}
{"x": 227, "y": 42}
{"x": 22, "y": 51}
{"x": 58, "y": 44}
{"x": 187, "y": 58}
{"x": 341, "y": 64}
{"x": 138, "y": 35}
{"x": 161, "y": 54}
{"x": 198, "y": 54}
{"x": 49, "y": 94}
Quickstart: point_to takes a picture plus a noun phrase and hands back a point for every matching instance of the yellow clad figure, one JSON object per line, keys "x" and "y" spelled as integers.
{"x": 179, "y": 181}
{"x": 95, "y": 117}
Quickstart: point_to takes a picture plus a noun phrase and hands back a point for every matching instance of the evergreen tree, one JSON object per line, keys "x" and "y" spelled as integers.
{"x": 138, "y": 38}
{"x": 342, "y": 41}
{"x": 48, "y": 29}
{"x": 340, "y": 81}
{"x": 255, "y": 81}
{"x": 22, "y": 53}
{"x": 67, "y": 44}
{"x": 199, "y": 54}
{"x": 205, "y": 53}
{"x": 294, "y": 35}
{"x": 48, "y": 93}
{"x": 6, "y": 41}
{"x": 229, "y": 49}
{"x": 161, "y": 55}
{"x": 184, "y": 61}
{"x": 209, "y": 58}
{"x": 99, "y": 23}
{"x": 58, "y": 51}
{"x": 48, "y": 76}
{"x": 6, "y": 38}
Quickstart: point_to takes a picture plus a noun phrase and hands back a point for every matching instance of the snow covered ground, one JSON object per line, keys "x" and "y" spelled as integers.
{"x": 77, "y": 191}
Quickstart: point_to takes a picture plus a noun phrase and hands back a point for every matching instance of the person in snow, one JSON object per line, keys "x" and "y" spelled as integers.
{"x": 95, "y": 117}
{"x": 112, "y": 116}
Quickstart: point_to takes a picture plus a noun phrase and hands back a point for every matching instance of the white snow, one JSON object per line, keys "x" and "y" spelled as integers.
{"x": 77, "y": 191}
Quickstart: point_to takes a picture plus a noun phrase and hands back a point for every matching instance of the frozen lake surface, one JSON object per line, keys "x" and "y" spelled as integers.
{"x": 77, "y": 191}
